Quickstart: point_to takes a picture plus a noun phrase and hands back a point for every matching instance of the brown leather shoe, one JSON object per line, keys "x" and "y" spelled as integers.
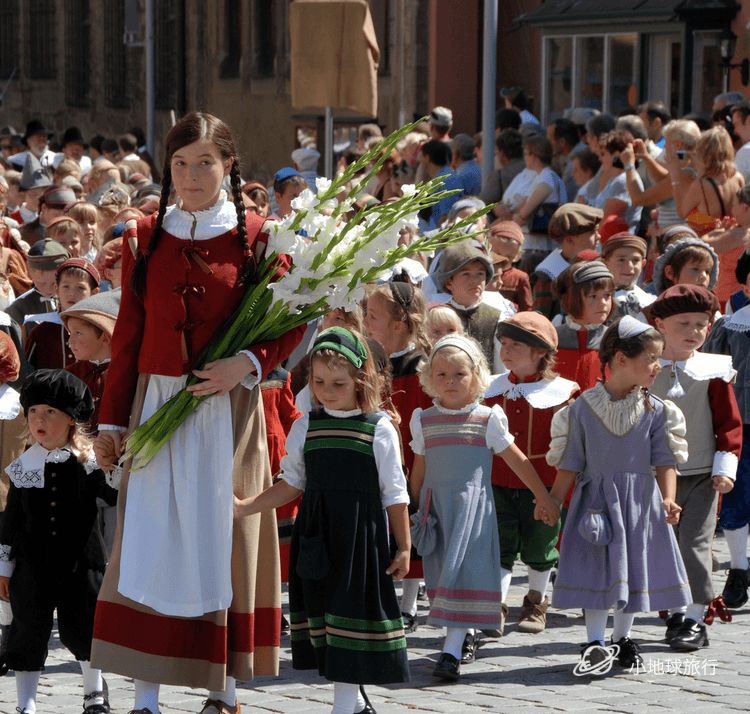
{"x": 145, "y": 710}
{"x": 215, "y": 706}
{"x": 534, "y": 613}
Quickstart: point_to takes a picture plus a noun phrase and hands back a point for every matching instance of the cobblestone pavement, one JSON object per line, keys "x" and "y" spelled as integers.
{"x": 518, "y": 673}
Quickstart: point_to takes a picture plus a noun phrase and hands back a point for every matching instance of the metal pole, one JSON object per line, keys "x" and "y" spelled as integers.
{"x": 401, "y": 29}
{"x": 328, "y": 143}
{"x": 150, "y": 79}
{"x": 489, "y": 88}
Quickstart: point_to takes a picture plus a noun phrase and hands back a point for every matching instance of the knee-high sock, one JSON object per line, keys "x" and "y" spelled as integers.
{"x": 92, "y": 681}
{"x": 146, "y": 696}
{"x": 596, "y": 624}
{"x": 409, "y": 596}
{"x": 26, "y": 686}
{"x": 505, "y": 577}
{"x": 623, "y": 623}
{"x": 228, "y": 695}
{"x": 454, "y": 641}
{"x": 737, "y": 542}
{"x": 539, "y": 580}
{"x": 345, "y": 698}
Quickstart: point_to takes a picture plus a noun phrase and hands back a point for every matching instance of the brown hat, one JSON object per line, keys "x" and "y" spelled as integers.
{"x": 573, "y": 219}
{"x": 47, "y": 254}
{"x": 58, "y": 197}
{"x": 82, "y": 264}
{"x": 682, "y": 298}
{"x": 454, "y": 258}
{"x": 507, "y": 229}
{"x": 531, "y": 328}
{"x": 100, "y": 310}
{"x": 623, "y": 240}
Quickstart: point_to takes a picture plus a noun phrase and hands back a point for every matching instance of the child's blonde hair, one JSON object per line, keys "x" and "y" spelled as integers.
{"x": 410, "y": 311}
{"x": 469, "y": 353}
{"x": 442, "y": 316}
{"x": 351, "y": 318}
{"x": 62, "y": 226}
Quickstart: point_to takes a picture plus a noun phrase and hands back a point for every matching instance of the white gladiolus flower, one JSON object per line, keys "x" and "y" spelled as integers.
{"x": 322, "y": 184}
{"x": 305, "y": 201}
{"x": 408, "y": 189}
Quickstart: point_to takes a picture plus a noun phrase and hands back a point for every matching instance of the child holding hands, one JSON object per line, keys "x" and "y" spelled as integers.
{"x": 454, "y": 442}
{"x": 345, "y": 457}
{"x": 617, "y": 549}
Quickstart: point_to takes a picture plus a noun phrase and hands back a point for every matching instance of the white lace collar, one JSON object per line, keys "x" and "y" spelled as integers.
{"x": 739, "y": 321}
{"x": 27, "y": 471}
{"x": 409, "y": 348}
{"x": 463, "y": 410}
{"x": 209, "y": 223}
{"x": 464, "y": 308}
{"x": 703, "y": 366}
{"x": 573, "y": 325}
{"x": 553, "y": 264}
{"x": 542, "y": 394}
{"x": 342, "y": 412}
{"x": 619, "y": 416}
{"x": 638, "y": 294}
{"x": 10, "y": 402}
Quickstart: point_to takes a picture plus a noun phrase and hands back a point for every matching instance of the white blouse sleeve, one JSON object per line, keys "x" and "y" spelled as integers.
{"x": 293, "y": 464}
{"x": 387, "y": 451}
{"x": 676, "y": 430}
{"x": 498, "y": 436}
{"x": 558, "y": 436}
{"x": 417, "y": 438}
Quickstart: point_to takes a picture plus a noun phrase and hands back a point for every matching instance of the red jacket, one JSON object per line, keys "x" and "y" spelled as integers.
{"x": 191, "y": 290}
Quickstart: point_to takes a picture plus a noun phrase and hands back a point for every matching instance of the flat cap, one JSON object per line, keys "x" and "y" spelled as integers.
{"x": 573, "y": 219}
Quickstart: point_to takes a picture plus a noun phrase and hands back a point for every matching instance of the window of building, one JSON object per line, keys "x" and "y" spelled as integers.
{"x": 230, "y": 64}
{"x": 77, "y": 52}
{"x": 264, "y": 38}
{"x": 597, "y": 71}
{"x": 381, "y": 15}
{"x": 170, "y": 55}
{"x": 115, "y": 56}
{"x": 9, "y": 54}
{"x": 42, "y": 39}
{"x": 707, "y": 69}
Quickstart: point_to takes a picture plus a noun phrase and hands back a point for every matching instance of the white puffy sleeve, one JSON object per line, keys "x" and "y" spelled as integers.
{"x": 674, "y": 421}
{"x": 417, "y": 438}
{"x": 387, "y": 450}
{"x": 498, "y": 436}
{"x": 558, "y": 436}
{"x": 293, "y": 464}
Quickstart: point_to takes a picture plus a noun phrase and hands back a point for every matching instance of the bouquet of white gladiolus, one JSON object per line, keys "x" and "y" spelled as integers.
{"x": 333, "y": 257}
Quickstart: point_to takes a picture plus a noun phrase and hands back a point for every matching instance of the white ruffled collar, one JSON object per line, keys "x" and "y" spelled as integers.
{"x": 739, "y": 321}
{"x": 27, "y": 471}
{"x": 409, "y": 348}
{"x": 463, "y": 410}
{"x": 703, "y": 366}
{"x": 10, "y": 403}
{"x": 573, "y": 325}
{"x": 342, "y": 412}
{"x": 209, "y": 223}
{"x": 553, "y": 264}
{"x": 542, "y": 394}
{"x": 619, "y": 416}
{"x": 464, "y": 308}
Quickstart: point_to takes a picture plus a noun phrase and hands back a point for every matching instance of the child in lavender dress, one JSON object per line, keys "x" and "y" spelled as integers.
{"x": 617, "y": 549}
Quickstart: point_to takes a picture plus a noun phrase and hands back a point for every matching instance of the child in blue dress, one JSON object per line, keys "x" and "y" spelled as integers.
{"x": 454, "y": 442}
{"x": 345, "y": 458}
{"x": 617, "y": 549}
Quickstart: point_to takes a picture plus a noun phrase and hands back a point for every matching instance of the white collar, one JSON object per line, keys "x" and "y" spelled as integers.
{"x": 739, "y": 321}
{"x": 553, "y": 264}
{"x": 464, "y": 308}
{"x": 573, "y": 325}
{"x": 27, "y": 471}
{"x": 619, "y": 416}
{"x": 409, "y": 348}
{"x": 463, "y": 410}
{"x": 210, "y": 223}
{"x": 342, "y": 412}
{"x": 703, "y": 366}
{"x": 644, "y": 299}
{"x": 53, "y": 317}
{"x": 10, "y": 403}
{"x": 5, "y": 319}
{"x": 542, "y": 394}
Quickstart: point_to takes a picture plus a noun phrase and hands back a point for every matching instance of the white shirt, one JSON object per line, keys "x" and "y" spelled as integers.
{"x": 386, "y": 450}
{"x": 742, "y": 161}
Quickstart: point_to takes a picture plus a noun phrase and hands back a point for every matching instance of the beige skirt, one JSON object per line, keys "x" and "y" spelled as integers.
{"x": 241, "y": 642}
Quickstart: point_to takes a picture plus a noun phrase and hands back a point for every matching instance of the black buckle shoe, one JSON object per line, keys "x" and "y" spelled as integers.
{"x": 447, "y": 667}
{"x": 674, "y": 623}
{"x": 410, "y": 623}
{"x": 691, "y": 636}
{"x": 368, "y": 707}
{"x": 470, "y": 647}
{"x": 97, "y": 707}
{"x": 284, "y": 626}
{"x": 735, "y": 589}
{"x": 629, "y": 655}
{"x": 422, "y": 592}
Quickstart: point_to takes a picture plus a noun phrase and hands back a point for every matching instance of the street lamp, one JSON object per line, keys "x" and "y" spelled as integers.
{"x": 727, "y": 46}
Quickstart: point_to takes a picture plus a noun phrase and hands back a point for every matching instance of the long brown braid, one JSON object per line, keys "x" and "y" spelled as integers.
{"x": 251, "y": 264}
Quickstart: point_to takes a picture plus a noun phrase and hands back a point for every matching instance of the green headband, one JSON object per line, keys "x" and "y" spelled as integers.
{"x": 344, "y": 342}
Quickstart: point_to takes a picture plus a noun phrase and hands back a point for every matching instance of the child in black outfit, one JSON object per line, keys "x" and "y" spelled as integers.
{"x": 51, "y": 555}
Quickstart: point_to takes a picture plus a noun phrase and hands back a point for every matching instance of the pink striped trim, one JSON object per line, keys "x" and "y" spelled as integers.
{"x": 454, "y": 441}
{"x": 455, "y": 418}
{"x": 465, "y": 594}
{"x": 489, "y": 618}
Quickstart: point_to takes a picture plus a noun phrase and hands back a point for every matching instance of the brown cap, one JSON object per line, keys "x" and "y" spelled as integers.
{"x": 58, "y": 197}
{"x": 682, "y": 298}
{"x": 531, "y": 328}
{"x": 83, "y": 264}
{"x": 507, "y": 229}
{"x": 100, "y": 310}
{"x": 573, "y": 219}
{"x": 623, "y": 240}
{"x": 47, "y": 254}
{"x": 454, "y": 258}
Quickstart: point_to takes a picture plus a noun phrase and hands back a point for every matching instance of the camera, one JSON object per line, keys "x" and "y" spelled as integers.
{"x": 617, "y": 162}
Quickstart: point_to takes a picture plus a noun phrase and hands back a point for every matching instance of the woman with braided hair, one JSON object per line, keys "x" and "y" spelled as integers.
{"x": 190, "y": 597}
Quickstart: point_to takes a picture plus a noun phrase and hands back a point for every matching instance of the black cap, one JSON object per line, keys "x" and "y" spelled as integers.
{"x": 59, "y": 389}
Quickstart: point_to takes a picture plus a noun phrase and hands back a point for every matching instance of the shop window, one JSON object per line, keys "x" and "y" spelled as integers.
{"x": 42, "y": 39}
{"x": 9, "y": 55}
{"x": 77, "y": 52}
